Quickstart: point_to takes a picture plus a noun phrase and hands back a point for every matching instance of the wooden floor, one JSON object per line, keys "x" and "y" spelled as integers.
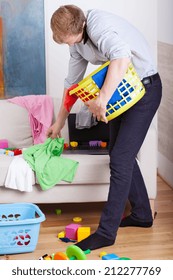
{"x": 136, "y": 243}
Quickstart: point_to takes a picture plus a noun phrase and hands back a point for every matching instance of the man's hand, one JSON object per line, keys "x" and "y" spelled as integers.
{"x": 98, "y": 108}
{"x": 54, "y": 131}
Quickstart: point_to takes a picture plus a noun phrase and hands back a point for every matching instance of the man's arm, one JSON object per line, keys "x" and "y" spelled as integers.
{"x": 77, "y": 68}
{"x": 116, "y": 72}
{"x": 55, "y": 130}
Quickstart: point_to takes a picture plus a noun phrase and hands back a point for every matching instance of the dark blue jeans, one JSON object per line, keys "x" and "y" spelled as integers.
{"x": 127, "y": 133}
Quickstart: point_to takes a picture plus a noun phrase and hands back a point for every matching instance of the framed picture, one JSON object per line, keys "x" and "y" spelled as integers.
{"x": 22, "y": 48}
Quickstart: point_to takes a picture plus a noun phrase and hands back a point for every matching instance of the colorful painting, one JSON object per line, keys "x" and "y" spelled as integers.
{"x": 22, "y": 48}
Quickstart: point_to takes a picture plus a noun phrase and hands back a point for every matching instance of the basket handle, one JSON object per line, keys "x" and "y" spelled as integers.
{"x": 39, "y": 213}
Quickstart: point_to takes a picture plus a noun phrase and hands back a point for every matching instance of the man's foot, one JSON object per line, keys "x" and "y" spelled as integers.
{"x": 130, "y": 222}
{"x": 94, "y": 241}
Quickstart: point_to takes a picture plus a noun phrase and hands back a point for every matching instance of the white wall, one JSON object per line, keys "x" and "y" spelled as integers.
{"x": 165, "y": 116}
{"x": 165, "y": 21}
{"x": 143, "y": 14}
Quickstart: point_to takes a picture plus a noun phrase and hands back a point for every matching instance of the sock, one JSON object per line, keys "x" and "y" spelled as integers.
{"x": 94, "y": 241}
{"x": 130, "y": 222}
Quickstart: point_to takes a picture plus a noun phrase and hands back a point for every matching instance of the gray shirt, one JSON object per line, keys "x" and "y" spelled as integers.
{"x": 110, "y": 37}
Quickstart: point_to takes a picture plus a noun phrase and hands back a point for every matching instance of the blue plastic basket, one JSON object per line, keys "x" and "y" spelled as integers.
{"x": 19, "y": 227}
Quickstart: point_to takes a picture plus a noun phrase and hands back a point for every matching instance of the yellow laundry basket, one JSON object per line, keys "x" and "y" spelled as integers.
{"x": 129, "y": 91}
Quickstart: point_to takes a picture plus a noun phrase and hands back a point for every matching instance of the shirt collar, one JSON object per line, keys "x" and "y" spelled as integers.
{"x": 85, "y": 35}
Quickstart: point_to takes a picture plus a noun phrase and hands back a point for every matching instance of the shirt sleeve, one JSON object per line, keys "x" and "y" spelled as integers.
{"x": 76, "y": 69}
{"x": 110, "y": 44}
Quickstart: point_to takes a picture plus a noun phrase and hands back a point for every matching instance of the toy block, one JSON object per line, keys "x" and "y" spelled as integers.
{"x": 9, "y": 153}
{"x": 2, "y": 151}
{"x": 83, "y": 232}
{"x": 71, "y": 231}
{"x": 66, "y": 240}
{"x": 61, "y": 234}
{"x": 58, "y": 211}
{"x": 103, "y": 253}
{"x": 124, "y": 258}
{"x": 77, "y": 219}
{"x": 110, "y": 257}
{"x": 3, "y": 143}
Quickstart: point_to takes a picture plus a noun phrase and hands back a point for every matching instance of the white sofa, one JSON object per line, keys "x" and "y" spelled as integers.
{"x": 91, "y": 181}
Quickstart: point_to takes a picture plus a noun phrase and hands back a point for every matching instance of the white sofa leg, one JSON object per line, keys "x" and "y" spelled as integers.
{"x": 152, "y": 205}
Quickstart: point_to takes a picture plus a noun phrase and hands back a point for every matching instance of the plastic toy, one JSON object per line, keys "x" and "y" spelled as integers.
{"x": 102, "y": 254}
{"x": 66, "y": 145}
{"x": 6, "y": 152}
{"x": 10, "y": 152}
{"x": 71, "y": 231}
{"x": 66, "y": 240}
{"x": 3, "y": 143}
{"x": 94, "y": 143}
{"x": 73, "y": 144}
{"x": 129, "y": 91}
{"x": 83, "y": 232}
{"x": 103, "y": 144}
{"x": 2, "y": 151}
{"x": 77, "y": 219}
{"x": 47, "y": 257}
{"x": 61, "y": 234}
{"x": 75, "y": 253}
{"x": 110, "y": 257}
{"x": 60, "y": 256}
{"x": 17, "y": 152}
{"x": 43, "y": 257}
{"x": 58, "y": 211}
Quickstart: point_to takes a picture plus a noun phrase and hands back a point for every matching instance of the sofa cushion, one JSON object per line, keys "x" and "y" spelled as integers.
{"x": 18, "y": 131}
{"x": 92, "y": 169}
{"x": 87, "y": 173}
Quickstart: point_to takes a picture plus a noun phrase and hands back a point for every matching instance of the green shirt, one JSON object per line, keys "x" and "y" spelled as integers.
{"x": 50, "y": 167}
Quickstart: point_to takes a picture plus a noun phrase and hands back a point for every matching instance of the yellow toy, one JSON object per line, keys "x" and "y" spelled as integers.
{"x": 73, "y": 144}
{"x": 83, "y": 232}
{"x": 103, "y": 253}
{"x": 61, "y": 234}
{"x": 77, "y": 219}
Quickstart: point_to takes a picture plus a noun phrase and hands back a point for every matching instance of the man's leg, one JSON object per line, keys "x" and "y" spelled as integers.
{"x": 141, "y": 214}
{"x": 132, "y": 131}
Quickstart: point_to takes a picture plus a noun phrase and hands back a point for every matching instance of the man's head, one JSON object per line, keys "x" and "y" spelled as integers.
{"x": 67, "y": 24}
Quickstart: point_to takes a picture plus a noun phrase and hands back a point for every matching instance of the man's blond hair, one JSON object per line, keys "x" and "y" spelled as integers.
{"x": 67, "y": 20}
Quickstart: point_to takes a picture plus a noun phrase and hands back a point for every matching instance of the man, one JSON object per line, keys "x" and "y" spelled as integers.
{"x": 97, "y": 37}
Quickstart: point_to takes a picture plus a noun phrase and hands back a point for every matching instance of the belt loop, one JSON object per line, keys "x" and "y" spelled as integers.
{"x": 150, "y": 79}
{"x": 147, "y": 81}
